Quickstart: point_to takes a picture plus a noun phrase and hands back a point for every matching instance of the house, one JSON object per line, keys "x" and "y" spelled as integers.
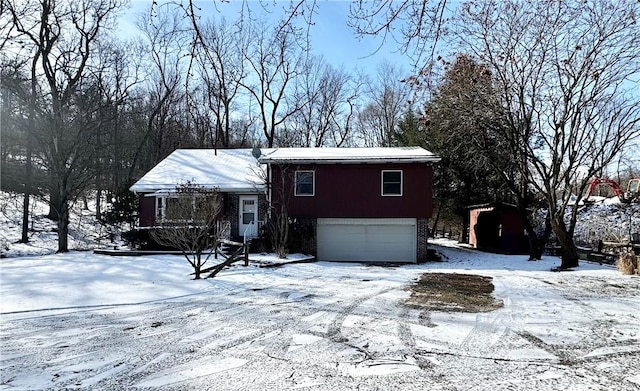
{"x": 235, "y": 173}
{"x": 355, "y": 204}
{"x": 497, "y": 227}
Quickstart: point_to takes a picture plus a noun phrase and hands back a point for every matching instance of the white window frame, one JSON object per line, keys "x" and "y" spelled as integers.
{"x": 382, "y": 182}
{"x": 313, "y": 183}
{"x": 160, "y": 209}
{"x": 161, "y": 212}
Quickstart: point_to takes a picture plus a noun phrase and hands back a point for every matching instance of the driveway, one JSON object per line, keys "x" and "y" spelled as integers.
{"x": 316, "y": 326}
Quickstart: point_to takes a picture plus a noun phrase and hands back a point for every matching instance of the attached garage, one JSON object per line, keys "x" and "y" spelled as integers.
{"x": 367, "y": 240}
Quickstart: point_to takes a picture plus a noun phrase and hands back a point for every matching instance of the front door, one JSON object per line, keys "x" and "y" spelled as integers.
{"x": 248, "y": 223}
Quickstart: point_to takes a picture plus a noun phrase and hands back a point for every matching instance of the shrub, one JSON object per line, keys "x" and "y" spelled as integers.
{"x": 300, "y": 235}
{"x": 121, "y": 208}
{"x": 628, "y": 264}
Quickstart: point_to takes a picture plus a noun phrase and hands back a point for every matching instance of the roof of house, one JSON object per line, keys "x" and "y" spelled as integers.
{"x": 348, "y": 155}
{"x": 238, "y": 170}
{"x": 224, "y": 170}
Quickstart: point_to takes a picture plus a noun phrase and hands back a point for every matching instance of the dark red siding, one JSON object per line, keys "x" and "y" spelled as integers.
{"x": 497, "y": 228}
{"x": 147, "y": 211}
{"x": 230, "y": 203}
{"x": 354, "y": 190}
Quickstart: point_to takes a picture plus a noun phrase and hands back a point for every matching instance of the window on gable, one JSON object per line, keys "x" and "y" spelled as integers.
{"x": 305, "y": 183}
{"x": 391, "y": 182}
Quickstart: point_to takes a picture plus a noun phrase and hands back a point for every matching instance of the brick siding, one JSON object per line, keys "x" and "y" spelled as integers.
{"x": 423, "y": 236}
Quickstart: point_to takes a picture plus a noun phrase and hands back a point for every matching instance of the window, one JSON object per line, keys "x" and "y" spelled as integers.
{"x": 305, "y": 183}
{"x": 181, "y": 208}
{"x": 160, "y": 208}
{"x": 392, "y": 183}
{"x": 248, "y": 211}
{"x": 166, "y": 208}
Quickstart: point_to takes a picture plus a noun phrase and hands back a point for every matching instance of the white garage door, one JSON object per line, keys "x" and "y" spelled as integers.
{"x": 368, "y": 240}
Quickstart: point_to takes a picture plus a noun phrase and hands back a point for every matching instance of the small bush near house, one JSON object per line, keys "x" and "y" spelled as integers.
{"x": 300, "y": 233}
{"x": 628, "y": 264}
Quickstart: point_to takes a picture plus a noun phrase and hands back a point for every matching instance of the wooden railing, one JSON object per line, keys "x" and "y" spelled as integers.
{"x": 223, "y": 229}
{"x": 252, "y": 230}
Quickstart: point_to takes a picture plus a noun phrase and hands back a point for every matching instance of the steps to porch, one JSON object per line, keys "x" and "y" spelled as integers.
{"x": 227, "y": 246}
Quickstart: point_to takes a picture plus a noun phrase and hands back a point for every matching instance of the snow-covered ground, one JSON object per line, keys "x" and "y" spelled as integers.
{"x": 84, "y": 321}
{"x": 85, "y": 232}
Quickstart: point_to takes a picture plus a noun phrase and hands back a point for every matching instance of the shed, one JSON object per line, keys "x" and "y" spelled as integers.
{"x": 497, "y": 227}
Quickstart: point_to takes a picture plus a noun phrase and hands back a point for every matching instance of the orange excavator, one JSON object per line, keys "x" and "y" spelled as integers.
{"x": 631, "y": 195}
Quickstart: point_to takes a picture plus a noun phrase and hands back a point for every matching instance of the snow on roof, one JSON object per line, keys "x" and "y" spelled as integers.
{"x": 226, "y": 170}
{"x": 238, "y": 170}
{"x": 345, "y": 155}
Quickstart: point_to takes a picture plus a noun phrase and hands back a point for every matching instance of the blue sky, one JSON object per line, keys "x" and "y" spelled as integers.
{"x": 330, "y": 34}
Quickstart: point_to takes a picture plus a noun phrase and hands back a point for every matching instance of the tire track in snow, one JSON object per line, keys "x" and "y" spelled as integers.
{"x": 334, "y": 331}
{"x": 150, "y": 329}
{"x": 298, "y": 324}
{"x": 493, "y": 334}
{"x": 598, "y": 341}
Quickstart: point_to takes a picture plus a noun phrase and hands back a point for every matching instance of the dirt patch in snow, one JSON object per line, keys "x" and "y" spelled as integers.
{"x": 452, "y": 292}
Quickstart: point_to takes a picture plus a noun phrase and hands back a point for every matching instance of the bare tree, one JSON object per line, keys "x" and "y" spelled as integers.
{"x": 274, "y": 60}
{"x": 116, "y": 72}
{"x": 278, "y": 223}
{"x": 416, "y": 26}
{"x": 23, "y": 55}
{"x": 328, "y": 94}
{"x": 567, "y": 72}
{"x": 188, "y": 222}
{"x": 63, "y": 34}
{"x": 387, "y": 99}
{"x": 164, "y": 33}
{"x": 221, "y": 67}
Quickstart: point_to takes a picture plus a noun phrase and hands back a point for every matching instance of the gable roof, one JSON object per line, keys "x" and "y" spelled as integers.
{"x": 349, "y": 155}
{"x": 237, "y": 170}
{"x": 224, "y": 170}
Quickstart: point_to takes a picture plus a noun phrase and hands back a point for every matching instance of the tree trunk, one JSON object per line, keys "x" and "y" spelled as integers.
{"x": 536, "y": 243}
{"x": 99, "y": 204}
{"x": 55, "y": 199}
{"x": 437, "y": 218}
{"x": 25, "y": 212}
{"x": 54, "y": 202}
{"x": 567, "y": 245}
{"x": 63, "y": 228}
{"x": 117, "y": 161}
{"x": 197, "y": 267}
{"x": 464, "y": 234}
{"x": 27, "y": 193}
{"x": 29, "y": 168}
{"x": 99, "y": 175}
